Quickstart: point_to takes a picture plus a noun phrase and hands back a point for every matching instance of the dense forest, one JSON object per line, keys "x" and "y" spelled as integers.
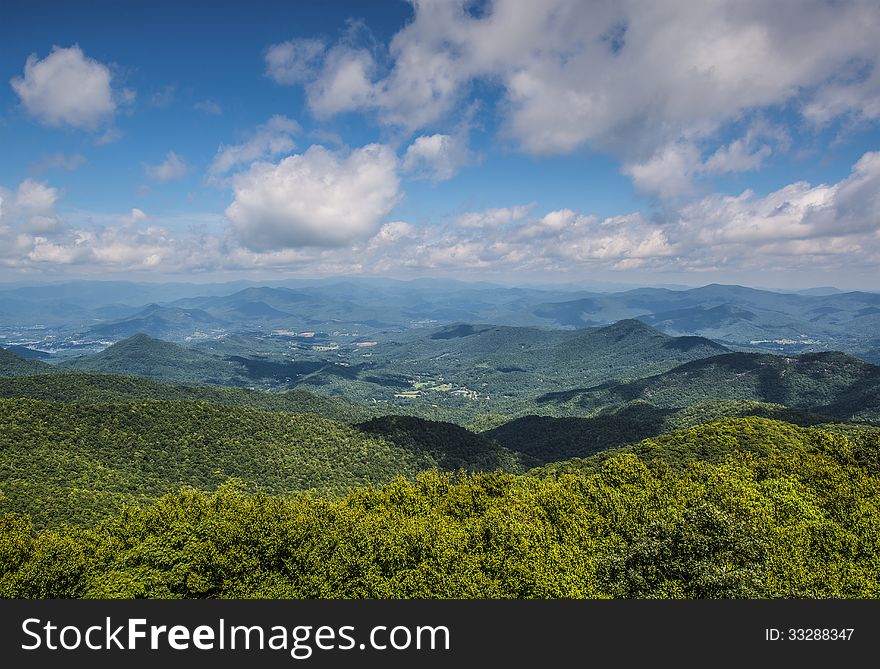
{"x": 733, "y": 475}
{"x": 779, "y": 513}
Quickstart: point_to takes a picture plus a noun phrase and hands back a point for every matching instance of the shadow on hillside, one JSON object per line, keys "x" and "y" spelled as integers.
{"x": 548, "y": 439}
{"x": 451, "y": 446}
{"x": 608, "y": 392}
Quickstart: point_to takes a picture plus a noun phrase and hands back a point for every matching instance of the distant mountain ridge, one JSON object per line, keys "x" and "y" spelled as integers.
{"x": 789, "y": 322}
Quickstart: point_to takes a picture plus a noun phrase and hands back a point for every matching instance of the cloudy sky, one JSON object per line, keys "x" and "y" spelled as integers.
{"x": 510, "y": 140}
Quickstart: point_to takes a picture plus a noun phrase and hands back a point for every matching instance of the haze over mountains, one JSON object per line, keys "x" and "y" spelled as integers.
{"x": 65, "y": 316}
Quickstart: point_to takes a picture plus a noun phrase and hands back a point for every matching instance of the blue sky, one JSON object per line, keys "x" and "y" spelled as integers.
{"x": 505, "y": 140}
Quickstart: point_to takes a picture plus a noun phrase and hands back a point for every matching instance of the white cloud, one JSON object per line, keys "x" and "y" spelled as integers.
{"x": 673, "y": 169}
{"x": 437, "y": 157}
{"x": 737, "y": 157}
{"x": 798, "y": 211}
{"x": 319, "y": 198}
{"x": 854, "y": 94}
{"x": 66, "y": 88}
{"x": 631, "y": 78}
{"x": 173, "y": 167}
{"x": 326, "y": 212}
{"x": 492, "y": 217}
{"x": 134, "y": 216}
{"x": 668, "y": 172}
{"x": 33, "y": 197}
{"x": 30, "y": 209}
{"x": 108, "y": 137}
{"x": 267, "y": 141}
{"x": 344, "y": 82}
{"x": 294, "y": 61}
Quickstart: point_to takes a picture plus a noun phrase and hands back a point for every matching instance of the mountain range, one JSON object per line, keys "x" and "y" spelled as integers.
{"x": 744, "y": 318}
{"x": 477, "y": 360}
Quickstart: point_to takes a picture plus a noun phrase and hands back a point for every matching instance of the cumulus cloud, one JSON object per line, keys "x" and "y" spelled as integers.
{"x": 492, "y": 217}
{"x": 30, "y": 209}
{"x": 854, "y": 93}
{"x": 66, "y": 88}
{"x": 559, "y": 240}
{"x": 34, "y": 236}
{"x": 671, "y": 172}
{"x": 324, "y": 212}
{"x": 436, "y": 157}
{"x": 799, "y": 227}
{"x": 797, "y": 212}
{"x": 668, "y": 172}
{"x": 173, "y": 167}
{"x": 344, "y": 82}
{"x": 642, "y": 80}
{"x": 134, "y": 216}
{"x": 266, "y": 141}
{"x": 317, "y": 198}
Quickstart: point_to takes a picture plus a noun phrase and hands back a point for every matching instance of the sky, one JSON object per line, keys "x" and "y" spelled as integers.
{"x": 731, "y": 141}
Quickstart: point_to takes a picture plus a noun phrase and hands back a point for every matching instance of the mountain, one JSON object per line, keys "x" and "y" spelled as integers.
{"x": 15, "y": 365}
{"x": 453, "y": 365}
{"x": 142, "y": 355}
{"x": 158, "y": 321}
{"x": 525, "y": 362}
{"x": 725, "y": 439}
{"x": 831, "y": 384}
{"x": 789, "y": 322}
{"x": 79, "y": 462}
{"x": 744, "y": 318}
{"x": 820, "y": 291}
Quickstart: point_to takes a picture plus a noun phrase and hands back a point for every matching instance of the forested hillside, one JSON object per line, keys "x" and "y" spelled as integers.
{"x": 547, "y": 439}
{"x": 730, "y": 475}
{"x": 88, "y": 388}
{"x": 833, "y": 384}
{"x": 141, "y": 355}
{"x": 14, "y": 365}
{"x": 796, "y": 518}
{"x": 77, "y": 463}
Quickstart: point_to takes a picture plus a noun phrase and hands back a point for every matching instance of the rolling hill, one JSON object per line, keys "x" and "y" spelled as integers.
{"x": 142, "y": 355}
{"x": 831, "y": 384}
{"x": 525, "y": 362}
{"x": 452, "y": 364}
{"x": 91, "y": 388}
{"x": 15, "y": 365}
{"x": 451, "y": 446}
{"x": 62, "y": 462}
{"x": 157, "y": 321}
{"x": 547, "y": 438}
{"x": 742, "y": 508}
{"x": 787, "y": 322}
